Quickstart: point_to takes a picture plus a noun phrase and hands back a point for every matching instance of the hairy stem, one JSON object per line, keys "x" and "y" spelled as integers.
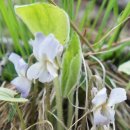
{"x": 58, "y": 102}
{"x": 47, "y": 101}
{"x": 23, "y": 126}
{"x": 70, "y": 111}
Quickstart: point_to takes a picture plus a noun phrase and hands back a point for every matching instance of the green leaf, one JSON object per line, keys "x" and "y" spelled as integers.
{"x": 45, "y": 18}
{"x": 71, "y": 65}
{"x": 125, "y": 67}
{"x": 7, "y": 91}
{"x": 8, "y": 95}
{"x": 12, "y": 112}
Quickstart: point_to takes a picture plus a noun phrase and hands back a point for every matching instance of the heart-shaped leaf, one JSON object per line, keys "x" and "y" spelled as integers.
{"x": 45, "y": 18}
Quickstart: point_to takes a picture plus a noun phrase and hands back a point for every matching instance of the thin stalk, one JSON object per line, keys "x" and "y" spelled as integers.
{"x": 117, "y": 32}
{"x": 2, "y": 48}
{"x": 47, "y": 101}
{"x": 83, "y": 126}
{"x": 70, "y": 111}
{"x": 23, "y": 126}
{"x": 81, "y": 36}
{"x": 33, "y": 104}
{"x": 76, "y": 108}
{"x": 108, "y": 33}
{"x": 58, "y": 102}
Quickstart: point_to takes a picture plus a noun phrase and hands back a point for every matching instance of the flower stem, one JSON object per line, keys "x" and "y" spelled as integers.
{"x": 23, "y": 126}
{"x": 47, "y": 101}
{"x": 33, "y": 102}
{"x": 70, "y": 111}
{"x": 58, "y": 102}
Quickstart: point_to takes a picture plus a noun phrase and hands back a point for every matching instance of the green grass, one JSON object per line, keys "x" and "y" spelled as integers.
{"x": 85, "y": 21}
{"x": 105, "y": 19}
{"x": 17, "y": 30}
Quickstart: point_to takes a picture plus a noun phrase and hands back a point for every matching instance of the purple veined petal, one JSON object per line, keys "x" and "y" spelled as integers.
{"x": 39, "y": 38}
{"x": 35, "y": 70}
{"x": 23, "y": 85}
{"x": 20, "y": 65}
{"x": 100, "y": 97}
{"x": 117, "y": 95}
{"x": 50, "y": 47}
{"x": 99, "y": 119}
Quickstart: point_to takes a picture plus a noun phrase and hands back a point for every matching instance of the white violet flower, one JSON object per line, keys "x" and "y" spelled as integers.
{"x": 45, "y": 49}
{"x": 21, "y": 82}
{"x": 104, "y": 106}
